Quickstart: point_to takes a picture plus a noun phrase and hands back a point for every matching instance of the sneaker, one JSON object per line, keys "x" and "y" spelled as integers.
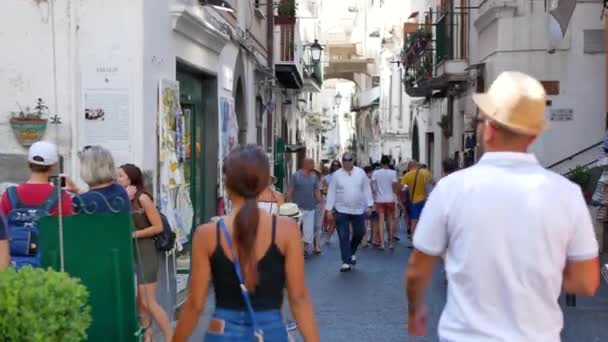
{"x": 605, "y": 272}
{"x": 353, "y": 260}
{"x": 345, "y": 268}
{"x": 291, "y": 325}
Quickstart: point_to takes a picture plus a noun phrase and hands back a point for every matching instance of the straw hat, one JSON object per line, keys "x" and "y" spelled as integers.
{"x": 516, "y": 101}
{"x": 289, "y": 209}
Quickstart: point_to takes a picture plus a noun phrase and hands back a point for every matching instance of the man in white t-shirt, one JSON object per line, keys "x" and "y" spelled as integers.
{"x": 515, "y": 234}
{"x": 387, "y": 185}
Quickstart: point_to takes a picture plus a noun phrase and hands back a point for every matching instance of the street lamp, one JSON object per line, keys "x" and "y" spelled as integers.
{"x": 316, "y": 50}
{"x": 314, "y": 58}
{"x": 220, "y": 5}
{"x": 338, "y": 99}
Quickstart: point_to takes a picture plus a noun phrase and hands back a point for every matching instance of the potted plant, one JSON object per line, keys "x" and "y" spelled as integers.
{"x": 286, "y": 12}
{"x": 42, "y": 305}
{"x": 29, "y": 126}
{"x": 581, "y": 175}
{"x": 445, "y": 125}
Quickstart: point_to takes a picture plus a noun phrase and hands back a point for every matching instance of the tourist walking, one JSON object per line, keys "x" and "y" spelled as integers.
{"x": 350, "y": 195}
{"x": 250, "y": 256}
{"x": 329, "y": 227}
{"x": 371, "y": 220}
{"x": 270, "y": 199}
{"x": 386, "y": 183}
{"x": 305, "y": 191}
{"x": 418, "y": 180}
{"x": 515, "y": 233}
{"x": 319, "y": 210}
{"x": 148, "y": 223}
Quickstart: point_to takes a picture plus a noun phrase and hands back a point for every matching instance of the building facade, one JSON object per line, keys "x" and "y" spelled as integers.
{"x": 454, "y": 48}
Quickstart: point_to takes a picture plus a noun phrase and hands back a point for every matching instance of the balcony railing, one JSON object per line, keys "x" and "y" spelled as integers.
{"x": 451, "y": 37}
{"x": 287, "y": 44}
{"x": 418, "y": 54}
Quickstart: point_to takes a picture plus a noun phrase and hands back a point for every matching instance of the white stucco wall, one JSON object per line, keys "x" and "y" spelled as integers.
{"x": 142, "y": 39}
{"x": 520, "y": 43}
{"x": 26, "y": 68}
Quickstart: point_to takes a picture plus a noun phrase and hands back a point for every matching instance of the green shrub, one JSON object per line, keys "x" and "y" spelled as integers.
{"x": 287, "y": 8}
{"x": 580, "y": 175}
{"x": 42, "y": 305}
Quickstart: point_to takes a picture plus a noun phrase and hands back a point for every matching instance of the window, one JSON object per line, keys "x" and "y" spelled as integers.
{"x": 375, "y": 81}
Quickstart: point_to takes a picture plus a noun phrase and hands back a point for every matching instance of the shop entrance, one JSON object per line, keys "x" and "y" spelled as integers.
{"x": 198, "y": 100}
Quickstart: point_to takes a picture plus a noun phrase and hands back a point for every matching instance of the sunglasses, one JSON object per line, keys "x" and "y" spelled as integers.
{"x": 347, "y": 160}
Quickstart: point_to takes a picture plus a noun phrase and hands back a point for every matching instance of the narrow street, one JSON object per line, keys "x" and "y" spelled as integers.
{"x": 369, "y": 303}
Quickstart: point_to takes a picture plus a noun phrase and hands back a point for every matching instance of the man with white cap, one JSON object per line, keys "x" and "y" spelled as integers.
{"x": 515, "y": 233}
{"x": 42, "y": 161}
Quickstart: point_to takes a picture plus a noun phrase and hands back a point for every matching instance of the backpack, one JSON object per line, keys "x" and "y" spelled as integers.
{"x": 165, "y": 241}
{"x": 23, "y": 230}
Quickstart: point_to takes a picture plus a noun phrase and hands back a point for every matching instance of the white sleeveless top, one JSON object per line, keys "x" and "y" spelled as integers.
{"x": 271, "y": 207}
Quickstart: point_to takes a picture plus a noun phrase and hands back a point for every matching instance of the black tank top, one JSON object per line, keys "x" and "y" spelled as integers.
{"x": 268, "y": 294}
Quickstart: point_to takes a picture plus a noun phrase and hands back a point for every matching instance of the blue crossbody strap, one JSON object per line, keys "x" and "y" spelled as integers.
{"x": 13, "y": 197}
{"x": 259, "y": 334}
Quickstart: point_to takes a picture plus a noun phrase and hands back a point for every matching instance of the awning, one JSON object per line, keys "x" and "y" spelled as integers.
{"x": 375, "y": 101}
{"x": 294, "y": 148}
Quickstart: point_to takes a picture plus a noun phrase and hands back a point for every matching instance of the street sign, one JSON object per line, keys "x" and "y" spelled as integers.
{"x": 563, "y": 114}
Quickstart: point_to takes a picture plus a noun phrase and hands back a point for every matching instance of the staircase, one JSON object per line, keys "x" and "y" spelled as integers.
{"x": 588, "y": 157}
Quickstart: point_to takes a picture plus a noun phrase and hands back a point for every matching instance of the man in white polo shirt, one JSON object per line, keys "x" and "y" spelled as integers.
{"x": 350, "y": 194}
{"x": 515, "y": 233}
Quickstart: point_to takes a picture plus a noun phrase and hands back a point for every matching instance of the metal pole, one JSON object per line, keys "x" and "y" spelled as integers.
{"x": 56, "y": 110}
{"x": 606, "y": 44}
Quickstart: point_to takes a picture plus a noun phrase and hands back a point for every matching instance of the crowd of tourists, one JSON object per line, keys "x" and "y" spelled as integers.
{"x": 109, "y": 190}
{"x": 511, "y": 233}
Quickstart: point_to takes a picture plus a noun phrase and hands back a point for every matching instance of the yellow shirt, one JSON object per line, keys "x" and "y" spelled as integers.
{"x": 424, "y": 177}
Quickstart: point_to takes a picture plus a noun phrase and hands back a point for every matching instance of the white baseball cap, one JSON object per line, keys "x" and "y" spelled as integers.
{"x": 43, "y": 153}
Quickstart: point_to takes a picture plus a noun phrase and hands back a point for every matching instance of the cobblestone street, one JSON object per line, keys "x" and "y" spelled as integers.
{"x": 369, "y": 303}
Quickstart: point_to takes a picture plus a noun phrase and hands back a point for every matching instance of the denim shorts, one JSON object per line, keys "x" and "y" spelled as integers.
{"x": 415, "y": 210}
{"x": 238, "y": 327}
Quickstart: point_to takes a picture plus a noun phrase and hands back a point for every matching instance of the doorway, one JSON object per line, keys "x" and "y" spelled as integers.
{"x": 415, "y": 143}
{"x": 430, "y": 150}
{"x": 198, "y": 99}
{"x": 241, "y": 115}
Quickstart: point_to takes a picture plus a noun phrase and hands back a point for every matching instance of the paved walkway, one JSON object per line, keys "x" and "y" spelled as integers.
{"x": 369, "y": 303}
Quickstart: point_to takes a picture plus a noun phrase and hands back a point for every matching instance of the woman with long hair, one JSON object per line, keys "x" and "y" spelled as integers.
{"x": 148, "y": 224}
{"x": 270, "y": 256}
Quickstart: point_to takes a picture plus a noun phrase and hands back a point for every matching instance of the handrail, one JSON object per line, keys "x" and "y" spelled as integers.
{"x": 588, "y": 164}
{"x": 574, "y": 155}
